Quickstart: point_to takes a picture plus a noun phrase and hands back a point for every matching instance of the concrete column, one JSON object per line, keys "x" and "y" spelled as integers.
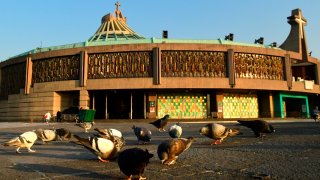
{"x": 231, "y": 71}
{"x": 317, "y": 73}
{"x": 28, "y": 75}
{"x": 107, "y": 106}
{"x": 156, "y": 62}
{"x": 84, "y": 99}
{"x": 130, "y": 105}
{"x": 219, "y": 97}
{"x": 288, "y": 72}
{"x": 83, "y": 68}
{"x": 144, "y": 106}
{"x": 271, "y": 105}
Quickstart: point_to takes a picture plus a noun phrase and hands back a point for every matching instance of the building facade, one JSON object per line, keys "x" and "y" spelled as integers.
{"x": 123, "y": 75}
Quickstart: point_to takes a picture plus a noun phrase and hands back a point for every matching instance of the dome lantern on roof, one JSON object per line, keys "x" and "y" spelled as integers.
{"x": 114, "y": 27}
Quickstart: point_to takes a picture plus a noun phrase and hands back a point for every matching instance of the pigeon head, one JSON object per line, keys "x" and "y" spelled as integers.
{"x": 189, "y": 142}
{"x": 204, "y": 130}
{"x": 147, "y": 156}
{"x": 271, "y": 129}
{"x": 233, "y": 132}
{"x": 133, "y": 127}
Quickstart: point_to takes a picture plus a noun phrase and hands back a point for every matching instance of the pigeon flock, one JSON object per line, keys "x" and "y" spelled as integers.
{"x": 107, "y": 144}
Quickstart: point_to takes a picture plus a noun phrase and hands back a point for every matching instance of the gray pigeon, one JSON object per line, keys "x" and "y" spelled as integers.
{"x": 142, "y": 134}
{"x": 85, "y": 125}
{"x": 218, "y": 132}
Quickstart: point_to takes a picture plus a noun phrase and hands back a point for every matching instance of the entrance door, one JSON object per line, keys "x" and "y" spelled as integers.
{"x": 138, "y": 105}
{"x": 295, "y": 106}
{"x": 100, "y": 104}
{"x": 119, "y": 105}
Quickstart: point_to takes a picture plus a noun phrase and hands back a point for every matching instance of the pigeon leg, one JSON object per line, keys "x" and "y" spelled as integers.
{"x": 102, "y": 160}
{"x": 216, "y": 142}
{"x": 170, "y": 162}
{"x": 129, "y": 177}
{"x": 30, "y": 150}
{"x": 142, "y": 178}
{"x": 17, "y": 150}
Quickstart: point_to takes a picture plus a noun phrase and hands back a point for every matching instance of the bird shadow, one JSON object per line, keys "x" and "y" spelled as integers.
{"x": 62, "y": 171}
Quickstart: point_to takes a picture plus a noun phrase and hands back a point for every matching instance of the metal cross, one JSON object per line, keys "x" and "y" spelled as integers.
{"x": 118, "y": 5}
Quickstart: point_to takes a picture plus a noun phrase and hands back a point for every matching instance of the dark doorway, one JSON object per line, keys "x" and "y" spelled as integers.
{"x": 294, "y": 107}
{"x": 138, "y": 105}
{"x": 119, "y": 105}
{"x": 100, "y": 104}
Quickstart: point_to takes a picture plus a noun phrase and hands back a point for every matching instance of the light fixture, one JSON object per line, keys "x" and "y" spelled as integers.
{"x": 229, "y": 37}
{"x": 259, "y": 41}
{"x": 165, "y": 34}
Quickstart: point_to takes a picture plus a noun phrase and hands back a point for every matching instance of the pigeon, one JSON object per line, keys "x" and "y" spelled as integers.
{"x": 259, "y": 127}
{"x": 112, "y": 134}
{"x": 103, "y": 148}
{"x": 161, "y": 123}
{"x": 175, "y": 131}
{"x": 132, "y": 162}
{"x": 46, "y": 135}
{"x": 85, "y": 125}
{"x": 142, "y": 134}
{"x": 25, "y": 140}
{"x": 168, "y": 151}
{"x": 107, "y": 133}
{"x": 218, "y": 132}
{"x": 63, "y": 134}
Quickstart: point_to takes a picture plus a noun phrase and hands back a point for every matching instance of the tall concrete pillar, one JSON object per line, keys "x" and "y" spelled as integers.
{"x": 84, "y": 99}
{"x": 83, "y": 69}
{"x": 156, "y": 61}
{"x": 231, "y": 71}
{"x": 28, "y": 75}
{"x": 288, "y": 71}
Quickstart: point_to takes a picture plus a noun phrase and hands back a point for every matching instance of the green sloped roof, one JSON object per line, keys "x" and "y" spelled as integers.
{"x": 141, "y": 41}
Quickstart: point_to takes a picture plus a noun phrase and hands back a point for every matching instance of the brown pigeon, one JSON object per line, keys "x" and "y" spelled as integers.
{"x": 132, "y": 162}
{"x": 259, "y": 127}
{"x": 218, "y": 132}
{"x": 168, "y": 151}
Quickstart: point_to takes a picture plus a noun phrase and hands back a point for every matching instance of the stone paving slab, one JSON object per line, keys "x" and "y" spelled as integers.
{"x": 292, "y": 152}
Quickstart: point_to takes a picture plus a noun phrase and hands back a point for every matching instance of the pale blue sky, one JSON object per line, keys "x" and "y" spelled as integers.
{"x": 27, "y": 24}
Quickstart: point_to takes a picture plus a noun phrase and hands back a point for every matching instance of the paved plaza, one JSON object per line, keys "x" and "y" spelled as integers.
{"x": 292, "y": 152}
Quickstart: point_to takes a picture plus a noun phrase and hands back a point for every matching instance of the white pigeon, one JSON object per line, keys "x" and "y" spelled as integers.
{"x": 46, "y": 135}
{"x": 25, "y": 140}
{"x": 112, "y": 134}
{"x": 103, "y": 148}
{"x": 107, "y": 132}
